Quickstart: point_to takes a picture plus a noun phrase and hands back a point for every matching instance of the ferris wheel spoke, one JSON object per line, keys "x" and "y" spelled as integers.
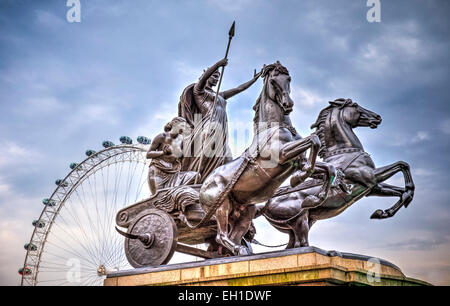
{"x": 92, "y": 225}
{"x": 107, "y": 207}
{"x": 118, "y": 254}
{"x": 129, "y": 181}
{"x": 99, "y": 220}
{"x": 130, "y": 178}
{"x": 118, "y": 179}
{"x": 115, "y": 254}
{"x": 139, "y": 190}
{"x": 87, "y": 244}
{"x": 111, "y": 209}
{"x": 87, "y": 238}
{"x": 75, "y": 254}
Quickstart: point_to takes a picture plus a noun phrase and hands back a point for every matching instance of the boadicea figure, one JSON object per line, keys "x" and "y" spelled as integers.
{"x": 165, "y": 152}
{"x": 207, "y": 147}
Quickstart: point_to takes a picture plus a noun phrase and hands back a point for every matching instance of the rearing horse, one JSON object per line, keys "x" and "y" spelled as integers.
{"x": 341, "y": 148}
{"x": 231, "y": 191}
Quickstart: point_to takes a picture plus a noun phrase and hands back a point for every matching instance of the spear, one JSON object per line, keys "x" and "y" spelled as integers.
{"x": 230, "y": 37}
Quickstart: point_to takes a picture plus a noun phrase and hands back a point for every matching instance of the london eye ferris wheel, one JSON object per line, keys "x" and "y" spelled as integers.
{"x": 74, "y": 241}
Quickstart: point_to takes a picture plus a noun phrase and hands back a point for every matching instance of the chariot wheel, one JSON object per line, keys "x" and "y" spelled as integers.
{"x": 74, "y": 241}
{"x": 155, "y": 239}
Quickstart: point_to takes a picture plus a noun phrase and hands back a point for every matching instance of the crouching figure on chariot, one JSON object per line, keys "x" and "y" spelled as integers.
{"x": 166, "y": 152}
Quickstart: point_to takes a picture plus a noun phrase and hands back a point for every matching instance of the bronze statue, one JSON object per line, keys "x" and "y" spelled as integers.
{"x": 208, "y": 145}
{"x": 165, "y": 152}
{"x": 220, "y": 210}
{"x": 288, "y": 210}
{"x": 237, "y": 186}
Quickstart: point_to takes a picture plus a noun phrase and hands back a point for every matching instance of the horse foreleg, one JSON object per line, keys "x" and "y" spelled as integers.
{"x": 242, "y": 225}
{"x": 295, "y": 148}
{"x": 386, "y": 172}
{"x": 319, "y": 169}
{"x": 406, "y": 194}
{"x": 223, "y": 238}
{"x": 386, "y": 190}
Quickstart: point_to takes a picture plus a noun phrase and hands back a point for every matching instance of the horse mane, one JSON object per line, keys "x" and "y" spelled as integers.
{"x": 265, "y": 72}
{"x": 275, "y": 66}
{"x": 322, "y": 118}
{"x": 320, "y": 131}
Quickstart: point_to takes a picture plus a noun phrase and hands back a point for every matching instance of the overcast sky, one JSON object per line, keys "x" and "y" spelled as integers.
{"x": 66, "y": 87}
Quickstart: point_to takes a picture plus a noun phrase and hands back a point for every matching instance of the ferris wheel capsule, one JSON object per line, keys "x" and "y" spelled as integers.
{"x": 25, "y": 271}
{"x": 73, "y": 166}
{"x": 126, "y": 140}
{"x": 107, "y": 144}
{"x": 38, "y": 223}
{"x": 90, "y": 152}
{"x": 61, "y": 183}
{"x": 144, "y": 140}
{"x": 48, "y": 202}
{"x": 30, "y": 247}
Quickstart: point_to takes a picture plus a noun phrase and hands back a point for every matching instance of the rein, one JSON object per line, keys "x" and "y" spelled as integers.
{"x": 342, "y": 151}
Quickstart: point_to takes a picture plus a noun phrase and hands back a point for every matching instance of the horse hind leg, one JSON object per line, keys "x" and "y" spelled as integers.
{"x": 292, "y": 239}
{"x": 406, "y": 194}
{"x": 300, "y": 231}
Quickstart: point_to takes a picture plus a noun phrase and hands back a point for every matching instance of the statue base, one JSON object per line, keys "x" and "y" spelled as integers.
{"x": 301, "y": 266}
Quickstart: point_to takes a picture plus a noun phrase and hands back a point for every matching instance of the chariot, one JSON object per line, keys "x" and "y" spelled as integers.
{"x": 156, "y": 227}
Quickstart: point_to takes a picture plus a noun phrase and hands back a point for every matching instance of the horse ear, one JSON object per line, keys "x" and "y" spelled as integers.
{"x": 332, "y": 103}
{"x": 337, "y": 102}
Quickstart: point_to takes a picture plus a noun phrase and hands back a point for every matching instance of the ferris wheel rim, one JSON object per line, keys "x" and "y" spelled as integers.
{"x": 122, "y": 149}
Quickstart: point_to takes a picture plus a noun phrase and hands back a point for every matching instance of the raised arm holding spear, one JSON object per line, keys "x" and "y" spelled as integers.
{"x": 208, "y": 143}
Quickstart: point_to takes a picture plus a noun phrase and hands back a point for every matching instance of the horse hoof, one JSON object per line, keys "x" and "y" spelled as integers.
{"x": 407, "y": 198}
{"x": 243, "y": 251}
{"x": 378, "y": 214}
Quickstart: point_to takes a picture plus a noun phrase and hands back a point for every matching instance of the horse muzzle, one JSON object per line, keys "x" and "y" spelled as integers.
{"x": 287, "y": 104}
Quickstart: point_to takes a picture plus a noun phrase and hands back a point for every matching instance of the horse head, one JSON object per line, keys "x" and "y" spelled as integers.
{"x": 335, "y": 123}
{"x": 277, "y": 86}
{"x": 355, "y": 115}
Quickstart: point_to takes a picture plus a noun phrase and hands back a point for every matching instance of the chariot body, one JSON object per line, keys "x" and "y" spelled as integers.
{"x": 157, "y": 227}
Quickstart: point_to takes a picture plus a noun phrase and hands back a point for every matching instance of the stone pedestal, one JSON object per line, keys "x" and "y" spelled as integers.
{"x": 302, "y": 266}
